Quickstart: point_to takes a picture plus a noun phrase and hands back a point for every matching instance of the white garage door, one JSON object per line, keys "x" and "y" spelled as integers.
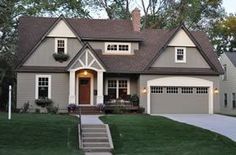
{"x": 180, "y": 95}
{"x": 179, "y": 100}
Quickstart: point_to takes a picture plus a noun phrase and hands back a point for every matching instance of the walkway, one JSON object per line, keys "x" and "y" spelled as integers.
{"x": 224, "y": 125}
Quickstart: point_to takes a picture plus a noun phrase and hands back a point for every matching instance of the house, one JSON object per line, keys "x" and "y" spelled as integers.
{"x": 228, "y": 83}
{"x": 172, "y": 71}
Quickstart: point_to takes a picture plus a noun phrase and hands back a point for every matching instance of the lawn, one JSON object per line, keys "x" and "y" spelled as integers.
{"x": 154, "y": 135}
{"x": 38, "y": 134}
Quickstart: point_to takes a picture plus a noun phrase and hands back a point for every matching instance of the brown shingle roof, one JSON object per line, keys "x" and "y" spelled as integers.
{"x": 32, "y": 29}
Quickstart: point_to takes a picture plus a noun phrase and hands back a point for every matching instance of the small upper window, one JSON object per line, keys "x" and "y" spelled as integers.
{"x": 61, "y": 46}
{"x": 118, "y": 48}
{"x": 180, "y": 55}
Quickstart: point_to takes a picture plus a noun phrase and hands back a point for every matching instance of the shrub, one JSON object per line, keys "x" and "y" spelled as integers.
{"x": 43, "y": 102}
{"x": 141, "y": 110}
{"x": 118, "y": 110}
{"x": 100, "y": 107}
{"x": 134, "y": 100}
{"x": 37, "y": 110}
{"x": 60, "y": 57}
{"x": 25, "y": 107}
{"x": 72, "y": 108}
{"x": 52, "y": 109}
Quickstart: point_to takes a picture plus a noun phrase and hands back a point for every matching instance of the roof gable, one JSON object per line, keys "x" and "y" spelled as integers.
{"x": 61, "y": 29}
{"x": 181, "y": 39}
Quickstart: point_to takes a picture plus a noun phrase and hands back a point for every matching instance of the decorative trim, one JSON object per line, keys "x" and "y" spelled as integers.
{"x": 180, "y": 81}
{"x": 37, "y": 82}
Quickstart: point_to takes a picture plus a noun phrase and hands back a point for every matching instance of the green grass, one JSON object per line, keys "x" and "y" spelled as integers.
{"x": 154, "y": 135}
{"x": 38, "y": 134}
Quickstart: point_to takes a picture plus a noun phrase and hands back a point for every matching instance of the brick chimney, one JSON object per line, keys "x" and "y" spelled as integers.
{"x": 136, "y": 17}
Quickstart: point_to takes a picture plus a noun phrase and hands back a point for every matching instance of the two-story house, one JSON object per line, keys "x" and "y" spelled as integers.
{"x": 228, "y": 83}
{"x": 172, "y": 71}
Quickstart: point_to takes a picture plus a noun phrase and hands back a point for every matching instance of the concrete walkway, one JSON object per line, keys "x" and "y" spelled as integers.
{"x": 224, "y": 125}
{"x": 91, "y": 119}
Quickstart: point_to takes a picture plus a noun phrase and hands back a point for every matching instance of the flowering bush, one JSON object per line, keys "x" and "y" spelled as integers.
{"x": 43, "y": 102}
{"x": 72, "y": 108}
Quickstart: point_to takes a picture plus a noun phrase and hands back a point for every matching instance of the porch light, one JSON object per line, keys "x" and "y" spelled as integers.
{"x": 85, "y": 73}
{"x": 216, "y": 91}
{"x": 144, "y": 90}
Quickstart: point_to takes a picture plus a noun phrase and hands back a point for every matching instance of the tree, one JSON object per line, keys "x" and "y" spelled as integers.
{"x": 224, "y": 34}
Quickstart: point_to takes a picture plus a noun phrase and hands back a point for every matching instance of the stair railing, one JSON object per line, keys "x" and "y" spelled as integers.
{"x": 80, "y": 127}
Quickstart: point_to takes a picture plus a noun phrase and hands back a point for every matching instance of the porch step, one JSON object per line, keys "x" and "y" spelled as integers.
{"x": 97, "y": 149}
{"x": 96, "y": 144}
{"x": 95, "y": 139}
{"x": 91, "y": 110}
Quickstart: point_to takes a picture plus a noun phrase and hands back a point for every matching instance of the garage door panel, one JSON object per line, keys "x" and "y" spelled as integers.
{"x": 179, "y": 103}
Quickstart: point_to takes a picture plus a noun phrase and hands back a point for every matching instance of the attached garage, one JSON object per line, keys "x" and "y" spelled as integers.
{"x": 180, "y": 95}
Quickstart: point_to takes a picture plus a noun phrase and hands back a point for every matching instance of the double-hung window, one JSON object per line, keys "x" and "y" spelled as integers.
{"x": 61, "y": 45}
{"x": 180, "y": 55}
{"x": 117, "y": 88}
{"x": 43, "y": 86}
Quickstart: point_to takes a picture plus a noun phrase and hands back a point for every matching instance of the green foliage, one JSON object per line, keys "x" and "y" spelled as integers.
{"x": 25, "y": 107}
{"x": 43, "y": 102}
{"x": 52, "y": 109}
{"x": 224, "y": 34}
{"x": 37, "y": 110}
{"x": 134, "y": 99}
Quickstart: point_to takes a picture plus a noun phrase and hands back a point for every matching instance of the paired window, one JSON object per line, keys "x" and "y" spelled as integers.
{"x": 233, "y": 100}
{"x": 118, "y": 48}
{"x": 117, "y": 88}
{"x": 43, "y": 86}
{"x": 180, "y": 55}
{"x": 225, "y": 100}
{"x": 61, "y": 46}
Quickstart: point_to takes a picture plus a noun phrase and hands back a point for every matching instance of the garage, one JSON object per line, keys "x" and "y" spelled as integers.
{"x": 180, "y": 95}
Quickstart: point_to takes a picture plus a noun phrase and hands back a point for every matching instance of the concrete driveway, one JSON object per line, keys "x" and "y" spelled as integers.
{"x": 224, "y": 125}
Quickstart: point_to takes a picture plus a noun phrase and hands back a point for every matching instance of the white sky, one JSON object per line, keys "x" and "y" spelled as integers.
{"x": 229, "y": 5}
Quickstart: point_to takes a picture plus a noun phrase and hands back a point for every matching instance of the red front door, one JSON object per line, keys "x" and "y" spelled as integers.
{"x": 84, "y": 91}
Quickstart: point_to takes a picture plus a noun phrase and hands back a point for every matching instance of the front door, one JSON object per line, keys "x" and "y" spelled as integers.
{"x": 84, "y": 91}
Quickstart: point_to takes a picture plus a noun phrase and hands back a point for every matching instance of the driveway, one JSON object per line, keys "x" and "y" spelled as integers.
{"x": 224, "y": 125}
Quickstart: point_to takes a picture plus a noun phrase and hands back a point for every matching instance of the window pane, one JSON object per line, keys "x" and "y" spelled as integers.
{"x": 122, "y": 92}
{"x": 112, "y": 93}
{"x": 60, "y": 46}
{"x": 43, "y": 92}
{"x": 111, "y": 83}
{"x": 122, "y": 83}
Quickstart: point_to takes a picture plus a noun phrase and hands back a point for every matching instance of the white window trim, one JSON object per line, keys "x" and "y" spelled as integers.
{"x": 117, "y": 85}
{"x": 65, "y": 41}
{"x": 113, "y": 52}
{"x": 37, "y": 82}
{"x": 184, "y": 51}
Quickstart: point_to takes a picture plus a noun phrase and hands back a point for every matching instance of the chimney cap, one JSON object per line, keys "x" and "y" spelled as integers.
{"x": 136, "y": 9}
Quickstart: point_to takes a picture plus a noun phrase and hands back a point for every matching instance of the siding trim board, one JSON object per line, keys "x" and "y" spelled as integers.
{"x": 181, "y": 81}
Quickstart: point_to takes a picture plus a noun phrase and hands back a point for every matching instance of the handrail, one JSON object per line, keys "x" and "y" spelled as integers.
{"x": 80, "y": 127}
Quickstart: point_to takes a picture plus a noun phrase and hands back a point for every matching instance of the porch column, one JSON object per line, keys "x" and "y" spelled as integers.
{"x": 72, "y": 88}
{"x": 100, "y": 87}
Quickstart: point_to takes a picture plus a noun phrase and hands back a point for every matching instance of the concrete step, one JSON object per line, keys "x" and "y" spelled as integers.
{"x": 94, "y": 134}
{"x": 97, "y": 149}
{"x": 94, "y": 130}
{"x": 95, "y": 139}
{"x": 93, "y": 126}
{"x": 96, "y": 144}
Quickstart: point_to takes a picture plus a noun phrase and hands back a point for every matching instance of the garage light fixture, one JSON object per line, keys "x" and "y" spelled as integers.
{"x": 216, "y": 91}
{"x": 144, "y": 90}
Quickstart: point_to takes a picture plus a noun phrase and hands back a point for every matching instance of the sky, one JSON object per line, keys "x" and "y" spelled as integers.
{"x": 229, "y": 5}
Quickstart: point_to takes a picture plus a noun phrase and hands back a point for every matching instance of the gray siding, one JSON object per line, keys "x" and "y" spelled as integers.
{"x": 228, "y": 86}
{"x": 193, "y": 59}
{"x": 26, "y": 89}
{"x": 43, "y": 54}
{"x": 101, "y": 46}
{"x": 143, "y": 83}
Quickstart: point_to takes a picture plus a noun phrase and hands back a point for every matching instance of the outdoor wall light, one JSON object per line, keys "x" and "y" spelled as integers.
{"x": 85, "y": 73}
{"x": 216, "y": 91}
{"x": 144, "y": 90}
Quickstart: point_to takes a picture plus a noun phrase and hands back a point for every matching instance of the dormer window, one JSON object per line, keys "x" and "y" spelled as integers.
{"x": 117, "y": 48}
{"x": 61, "y": 46}
{"x": 180, "y": 55}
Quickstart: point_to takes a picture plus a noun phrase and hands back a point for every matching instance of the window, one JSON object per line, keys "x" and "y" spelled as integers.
{"x": 43, "y": 86}
{"x": 117, "y": 88}
{"x": 156, "y": 90}
{"x": 172, "y": 90}
{"x": 187, "y": 90}
{"x": 118, "y": 48}
{"x": 201, "y": 90}
{"x": 61, "y": 46}
{"x": 225, "y": 72}
{"x": 225, "y": 100}
{"x": 233, "y": 100}
{"x": 180, "y": 55}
